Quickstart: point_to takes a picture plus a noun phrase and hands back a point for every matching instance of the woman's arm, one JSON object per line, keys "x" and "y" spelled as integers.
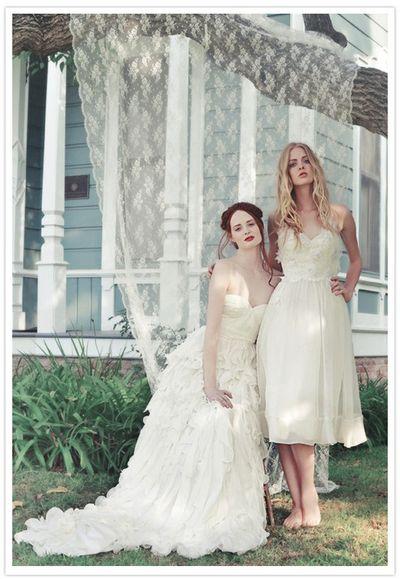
{"x": 348, "y": 234}
{"x": 218, "y": 288}
{"x": 273, "y": 244}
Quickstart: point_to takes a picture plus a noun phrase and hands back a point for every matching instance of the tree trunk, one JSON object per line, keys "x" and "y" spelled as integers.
{"x": 369, "y": 96}
{"x": 44, "y": 34}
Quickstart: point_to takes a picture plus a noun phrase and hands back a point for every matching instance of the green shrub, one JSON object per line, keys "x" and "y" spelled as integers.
{"x": 374, "y": 399}
{"x": 78, "y": 413}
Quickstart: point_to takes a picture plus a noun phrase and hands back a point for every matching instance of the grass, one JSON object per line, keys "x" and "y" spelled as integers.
{"x": 353, "y": 530}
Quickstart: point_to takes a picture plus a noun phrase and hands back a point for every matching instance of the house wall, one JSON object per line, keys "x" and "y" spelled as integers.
{"x": 33, "y": 196}
{"x": 83, "y": 223}
{"x": 367, "y": 36}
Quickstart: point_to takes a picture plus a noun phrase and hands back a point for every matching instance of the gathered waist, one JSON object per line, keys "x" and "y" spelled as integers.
{"x": 318, "y": 278}
{"x": 234, "y": 338}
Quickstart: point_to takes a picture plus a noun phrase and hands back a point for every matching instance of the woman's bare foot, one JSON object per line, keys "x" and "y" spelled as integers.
{"x": 310, "y": 508}
{"x": 295, "y": 519}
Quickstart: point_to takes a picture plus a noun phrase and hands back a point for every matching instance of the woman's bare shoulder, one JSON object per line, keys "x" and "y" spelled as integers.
{"x": 340, "y": 213}
{"x": 223, "y": 266}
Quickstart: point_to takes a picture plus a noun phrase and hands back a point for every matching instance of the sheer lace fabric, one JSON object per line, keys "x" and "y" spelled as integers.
{"x": 186, "y": 114}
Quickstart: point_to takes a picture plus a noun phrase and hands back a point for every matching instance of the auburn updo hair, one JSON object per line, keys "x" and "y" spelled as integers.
{"x": 257, "y": 214}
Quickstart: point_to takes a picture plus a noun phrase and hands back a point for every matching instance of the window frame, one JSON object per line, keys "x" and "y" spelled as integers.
{"x": 368, "y": 282}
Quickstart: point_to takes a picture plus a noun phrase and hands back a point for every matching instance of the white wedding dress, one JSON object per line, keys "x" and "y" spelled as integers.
{"x": 306, "y": 368}
{"x": 195, "y": 481}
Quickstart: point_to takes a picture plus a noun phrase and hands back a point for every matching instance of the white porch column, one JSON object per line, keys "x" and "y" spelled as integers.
{"x": 109, "y": 198}
{"x": 20, "y": 129}
{"x": 195, "y": 217}
{"x": 173, "y": 264}
{"x": 248, "y": 136}
{"x": 52, "y": 281}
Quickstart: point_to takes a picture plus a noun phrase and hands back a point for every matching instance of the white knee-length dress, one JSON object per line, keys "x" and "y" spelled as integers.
{"x": 306, "y": 367}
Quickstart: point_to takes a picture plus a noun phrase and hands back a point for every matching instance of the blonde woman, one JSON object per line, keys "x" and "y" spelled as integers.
{"x": 304, "y": 350}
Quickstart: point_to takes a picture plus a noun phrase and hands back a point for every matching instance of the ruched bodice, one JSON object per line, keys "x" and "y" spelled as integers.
{"x": 305, "y": 258}
{"x": 241, "y": 321}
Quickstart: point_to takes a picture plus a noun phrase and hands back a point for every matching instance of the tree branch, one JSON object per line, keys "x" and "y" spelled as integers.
{"x": 44, "y": 34}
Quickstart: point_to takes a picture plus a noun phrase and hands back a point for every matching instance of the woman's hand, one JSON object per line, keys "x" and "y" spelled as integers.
{"x": 338, "y": 288}
{"x": 221, "y": 396}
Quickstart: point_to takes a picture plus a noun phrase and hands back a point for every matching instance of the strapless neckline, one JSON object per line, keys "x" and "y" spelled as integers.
{"x": 244, "y": 300}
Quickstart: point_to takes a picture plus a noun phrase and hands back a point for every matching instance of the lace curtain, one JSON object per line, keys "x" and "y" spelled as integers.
{"x": 186, "y": 114}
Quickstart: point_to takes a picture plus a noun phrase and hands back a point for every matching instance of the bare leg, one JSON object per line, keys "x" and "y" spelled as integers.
{"x": 304, "y": 457}
{"x": 288, "y": 462}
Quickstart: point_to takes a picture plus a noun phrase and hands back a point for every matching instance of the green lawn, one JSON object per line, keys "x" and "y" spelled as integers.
{"x": 353, "y": 529}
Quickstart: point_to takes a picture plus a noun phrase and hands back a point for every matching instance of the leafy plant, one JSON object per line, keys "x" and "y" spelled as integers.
{"x": 78, "y": 413}
{"x": 374, "y": 399}
{"x": 165, "y": 338}
{"x": 36, "y": 62}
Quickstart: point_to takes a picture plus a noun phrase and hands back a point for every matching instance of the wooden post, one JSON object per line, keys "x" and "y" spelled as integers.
{"x": 19, "y": 143}
{"x": 52, "y": 268}
{"x": 173, "y": 264}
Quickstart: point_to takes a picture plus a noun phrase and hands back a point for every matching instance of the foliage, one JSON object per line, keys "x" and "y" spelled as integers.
{"x": 167, "y": 337}
{"x": 36, "y": 62}
{"x": 374, "y": 401}
{"x": 80, "y": 413}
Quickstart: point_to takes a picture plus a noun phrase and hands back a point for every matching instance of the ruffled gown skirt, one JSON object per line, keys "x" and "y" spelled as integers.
{"x": 195, "y": 481}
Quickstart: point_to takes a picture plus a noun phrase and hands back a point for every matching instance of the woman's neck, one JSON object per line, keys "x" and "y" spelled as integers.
{"x": 303, "y": 198}
{"x": 249, "y": 258}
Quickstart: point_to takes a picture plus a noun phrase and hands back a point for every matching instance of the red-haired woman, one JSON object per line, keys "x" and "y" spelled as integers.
{"x": 195, "y": 481}
{"x": 305, "y": 356}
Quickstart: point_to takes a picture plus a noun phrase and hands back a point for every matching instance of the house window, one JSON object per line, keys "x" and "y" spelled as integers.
{"x": 370, "y": 190}
{"x": 368, "y": 302}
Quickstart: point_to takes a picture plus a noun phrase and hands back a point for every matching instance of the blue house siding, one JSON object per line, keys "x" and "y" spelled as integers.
{"x": 83, "y": 222}
{"x": 33, "y": 195}
{"x": 82, "y": 236}
{"x": 83, "y": 303}
{"x": 366, "y": 34}
{"x": 34, "y": 169}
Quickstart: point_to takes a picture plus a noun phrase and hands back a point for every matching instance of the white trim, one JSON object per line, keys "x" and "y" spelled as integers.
{"x": 196, "y": 180}
{"x": 109, "y": 215}
{"x": 383, "y": 195}
{"x": 51, "y": 316}
{"x": 173, "y": 264}
{"x": 378, "y": 284}
{"x": 19, "y": 149}
{"x": 94, "y": 346}
{"x": 248, "y": 142}
{"x": 297, "y": 22}
{"x": 356, "y": 204}
{"x": 367, "y": 343}
{"x": 371, "y": 322}
{"x": 356, "y": 177}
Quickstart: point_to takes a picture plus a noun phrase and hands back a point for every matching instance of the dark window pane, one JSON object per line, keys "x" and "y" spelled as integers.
{"x": 369, "y": 224}
{"x": 367, "y": 302}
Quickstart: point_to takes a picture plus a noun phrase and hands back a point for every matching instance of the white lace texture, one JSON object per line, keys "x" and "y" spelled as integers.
{"x": 186, "y": 114}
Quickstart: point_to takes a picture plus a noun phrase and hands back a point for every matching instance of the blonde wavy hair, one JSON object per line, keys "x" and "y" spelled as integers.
{"x": 287, "y": 213}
